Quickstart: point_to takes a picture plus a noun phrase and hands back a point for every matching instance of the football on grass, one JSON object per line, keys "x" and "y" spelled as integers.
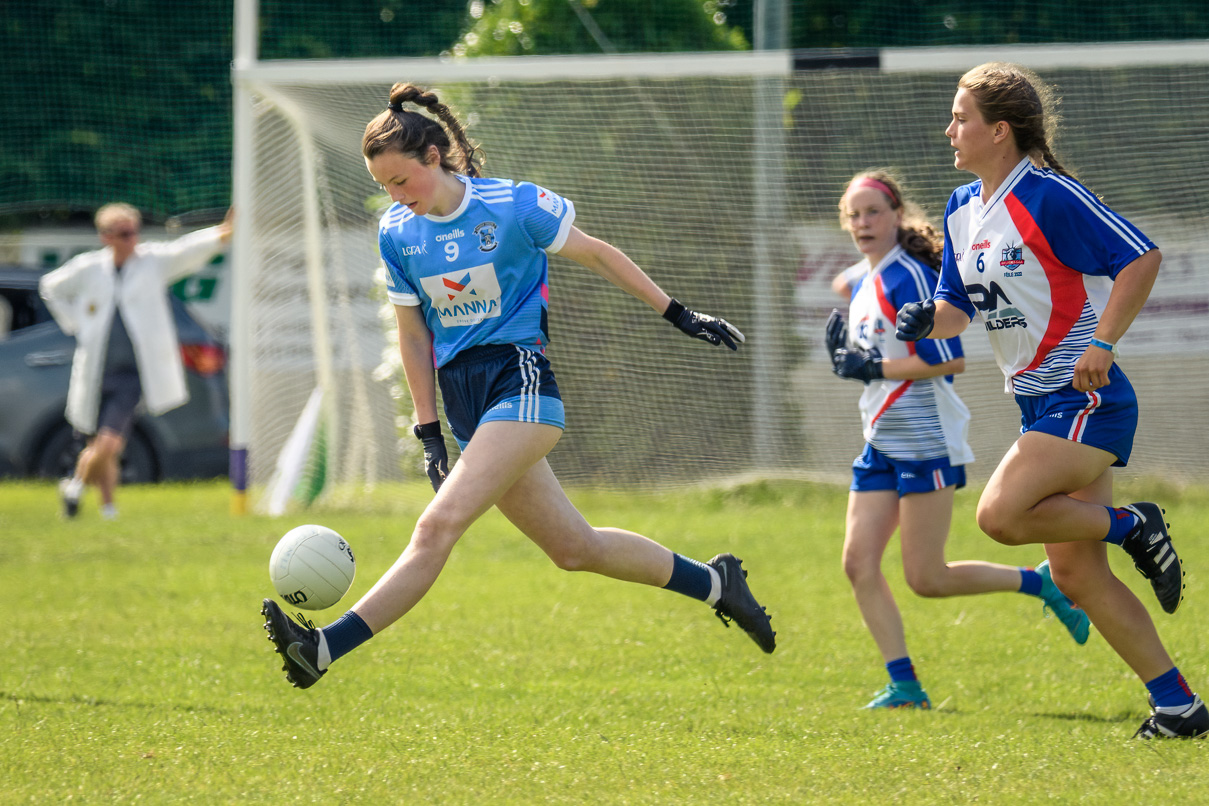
{"x": 312, "y": 567}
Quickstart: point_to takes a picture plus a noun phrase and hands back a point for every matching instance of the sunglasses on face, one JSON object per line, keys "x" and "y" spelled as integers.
{"x": 123, "y": 234}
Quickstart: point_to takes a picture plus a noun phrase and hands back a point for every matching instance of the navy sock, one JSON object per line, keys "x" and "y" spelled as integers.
{"x": 1121, "y": 523}
{"x": 690, "y": 578}
{"x": 346, "y": 634}
{"x": 1169, "y": 689}
{"x": 901, "y": 670}
{"x": 1030, "y": 582}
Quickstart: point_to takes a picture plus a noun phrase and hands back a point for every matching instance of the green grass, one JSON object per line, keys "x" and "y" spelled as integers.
{"x": 135, "y": 668}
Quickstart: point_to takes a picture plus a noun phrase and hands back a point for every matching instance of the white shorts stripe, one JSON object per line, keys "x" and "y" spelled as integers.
{"x": 531, "y": 380}
{"x": 1080, "y": 424}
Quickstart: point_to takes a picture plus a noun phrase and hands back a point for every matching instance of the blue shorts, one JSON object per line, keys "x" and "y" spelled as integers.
{"x": 873, "y": 470}
{"x": 498, "y": 382}
{"x": 1106, "y": 418}
{"x": 120, "y": 396}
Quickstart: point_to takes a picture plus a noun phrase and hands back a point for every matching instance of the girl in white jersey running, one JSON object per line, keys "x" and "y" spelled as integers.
{"x": 466, "y": 259}
{"x": 1057, "y": 277}
{"x": 915, "y": 429}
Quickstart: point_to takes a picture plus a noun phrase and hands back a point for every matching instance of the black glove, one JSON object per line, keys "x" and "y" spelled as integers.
{"x": 436, "y": 458}
{"x": 836, "y": 333}
{"x": 915, "y": 320}
{"x": 857, "y": 365}
{"x": 703, "y": 326}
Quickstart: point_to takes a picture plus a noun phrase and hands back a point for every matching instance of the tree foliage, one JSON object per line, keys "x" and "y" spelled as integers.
{"x": 131, "y": 99}
{"x": 528, "y": 27}
{"x": 908, "y": 23}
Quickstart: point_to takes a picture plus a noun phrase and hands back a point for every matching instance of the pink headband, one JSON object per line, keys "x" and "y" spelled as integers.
{"x": 870, "y": 182}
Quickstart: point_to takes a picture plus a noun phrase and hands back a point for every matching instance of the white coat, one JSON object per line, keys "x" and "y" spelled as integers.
{"x": 82, "y": 294}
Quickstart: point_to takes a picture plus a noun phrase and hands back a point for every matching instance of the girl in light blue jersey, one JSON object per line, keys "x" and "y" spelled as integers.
{"x": 915, "y": 432}
{"x": 1056, "y": 277}
{"x": 467, "y": 263}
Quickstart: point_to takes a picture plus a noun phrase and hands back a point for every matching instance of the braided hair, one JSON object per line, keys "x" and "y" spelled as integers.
{"x": 411, "y": 133}
{"x": 1015, "y": 95}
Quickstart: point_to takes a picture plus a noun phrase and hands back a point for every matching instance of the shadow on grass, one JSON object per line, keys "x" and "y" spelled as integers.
{"x": 1119, "y": 718}
{"x": 96, "y": 702}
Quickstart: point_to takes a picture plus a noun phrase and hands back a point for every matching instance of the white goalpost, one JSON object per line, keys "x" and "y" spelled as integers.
{"x": 719, "y": 174}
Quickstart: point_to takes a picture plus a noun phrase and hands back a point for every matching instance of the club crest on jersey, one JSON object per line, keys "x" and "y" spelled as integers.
{"x": 1011, "y": 259}
{"x": 464, "y": 297}
{"x": 486, "y": 233}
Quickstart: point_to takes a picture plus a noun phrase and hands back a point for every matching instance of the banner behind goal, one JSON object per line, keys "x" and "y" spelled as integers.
{"x": 719, "y": 174}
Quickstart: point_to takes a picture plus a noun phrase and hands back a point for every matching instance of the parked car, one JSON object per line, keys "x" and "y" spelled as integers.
{"x": 35, "y": 366}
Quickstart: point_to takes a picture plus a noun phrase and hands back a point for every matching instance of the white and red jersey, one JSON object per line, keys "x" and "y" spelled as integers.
{"x": 1036, "y": 264}
{"x": 908, "y": 420}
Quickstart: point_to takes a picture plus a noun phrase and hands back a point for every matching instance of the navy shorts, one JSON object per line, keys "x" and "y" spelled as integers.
{"x": 498, "y": 382}
{"x": 874, "y": 470}
{"x": 120, "y": 395}
{"x": 1106, "y": 418}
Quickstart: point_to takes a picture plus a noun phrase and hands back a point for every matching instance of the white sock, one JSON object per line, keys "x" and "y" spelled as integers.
{"x": 325, "y": 654}
{"x": 74, "y": 488}
{"x": 715, "y": 586}
{"x": 109, "y": 512}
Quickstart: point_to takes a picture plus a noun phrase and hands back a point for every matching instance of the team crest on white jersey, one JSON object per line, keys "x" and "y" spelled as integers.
{"x": 464, "y": 297}
{"x": 1011, "y": 259}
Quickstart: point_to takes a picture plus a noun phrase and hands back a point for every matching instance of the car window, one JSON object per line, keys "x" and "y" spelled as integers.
{"x": 20, "y": 308}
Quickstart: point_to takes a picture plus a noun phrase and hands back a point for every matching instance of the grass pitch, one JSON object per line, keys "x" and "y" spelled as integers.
{"x": 136, "y": 668}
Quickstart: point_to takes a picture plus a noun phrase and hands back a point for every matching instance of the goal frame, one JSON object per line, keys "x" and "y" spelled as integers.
{"x": 771, "y": 68}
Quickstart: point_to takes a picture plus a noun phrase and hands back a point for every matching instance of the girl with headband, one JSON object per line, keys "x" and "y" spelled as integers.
{"x": 915, "y": 433}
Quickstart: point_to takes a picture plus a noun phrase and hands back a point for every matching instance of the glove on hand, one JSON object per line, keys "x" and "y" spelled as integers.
{"x": 836, "y": 333}
{"x": 703, "y": 326}
{"x": 857, "y": 365}
{"x": 436, "y": 458}
{"x": 915, "y": 320}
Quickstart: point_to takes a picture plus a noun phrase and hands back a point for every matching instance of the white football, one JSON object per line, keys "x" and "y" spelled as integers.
{"x": 312, "y": 567}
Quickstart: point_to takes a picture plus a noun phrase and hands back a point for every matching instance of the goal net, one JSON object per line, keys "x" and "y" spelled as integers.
{"x": 719, "y": 174}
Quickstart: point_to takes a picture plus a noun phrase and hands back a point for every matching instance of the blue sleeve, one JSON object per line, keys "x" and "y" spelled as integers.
{"x": 545, "y": 216}
{"x": 1084, "y": 233}
{"x": 396, "y": 279}
{"x": 938, "y": 351}
{"x": 950, "y": 288}
{"x": 911, "y": 287}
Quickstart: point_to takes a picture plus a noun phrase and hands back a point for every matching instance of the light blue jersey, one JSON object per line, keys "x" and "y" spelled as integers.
{"x": 480, "y": 274}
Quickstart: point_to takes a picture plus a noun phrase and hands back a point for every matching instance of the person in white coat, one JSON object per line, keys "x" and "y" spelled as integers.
{"x": 115, "y": 302}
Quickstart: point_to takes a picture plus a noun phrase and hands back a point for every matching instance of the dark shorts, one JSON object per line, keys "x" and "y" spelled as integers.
{"x": 873, "y": 470}
{"x": 120, "y": 395}
{"x": 498, "y": 382}
{"x": 1106, "y": 418}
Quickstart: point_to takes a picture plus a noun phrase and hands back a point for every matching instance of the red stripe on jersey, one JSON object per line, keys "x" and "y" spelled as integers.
{"x": 890, "y": 399}
{"x": 1066, "y": 292}
{"x": 888, "y": 310}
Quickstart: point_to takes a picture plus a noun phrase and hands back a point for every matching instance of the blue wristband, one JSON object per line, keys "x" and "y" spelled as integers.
{"x": 1103, "y": 345}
